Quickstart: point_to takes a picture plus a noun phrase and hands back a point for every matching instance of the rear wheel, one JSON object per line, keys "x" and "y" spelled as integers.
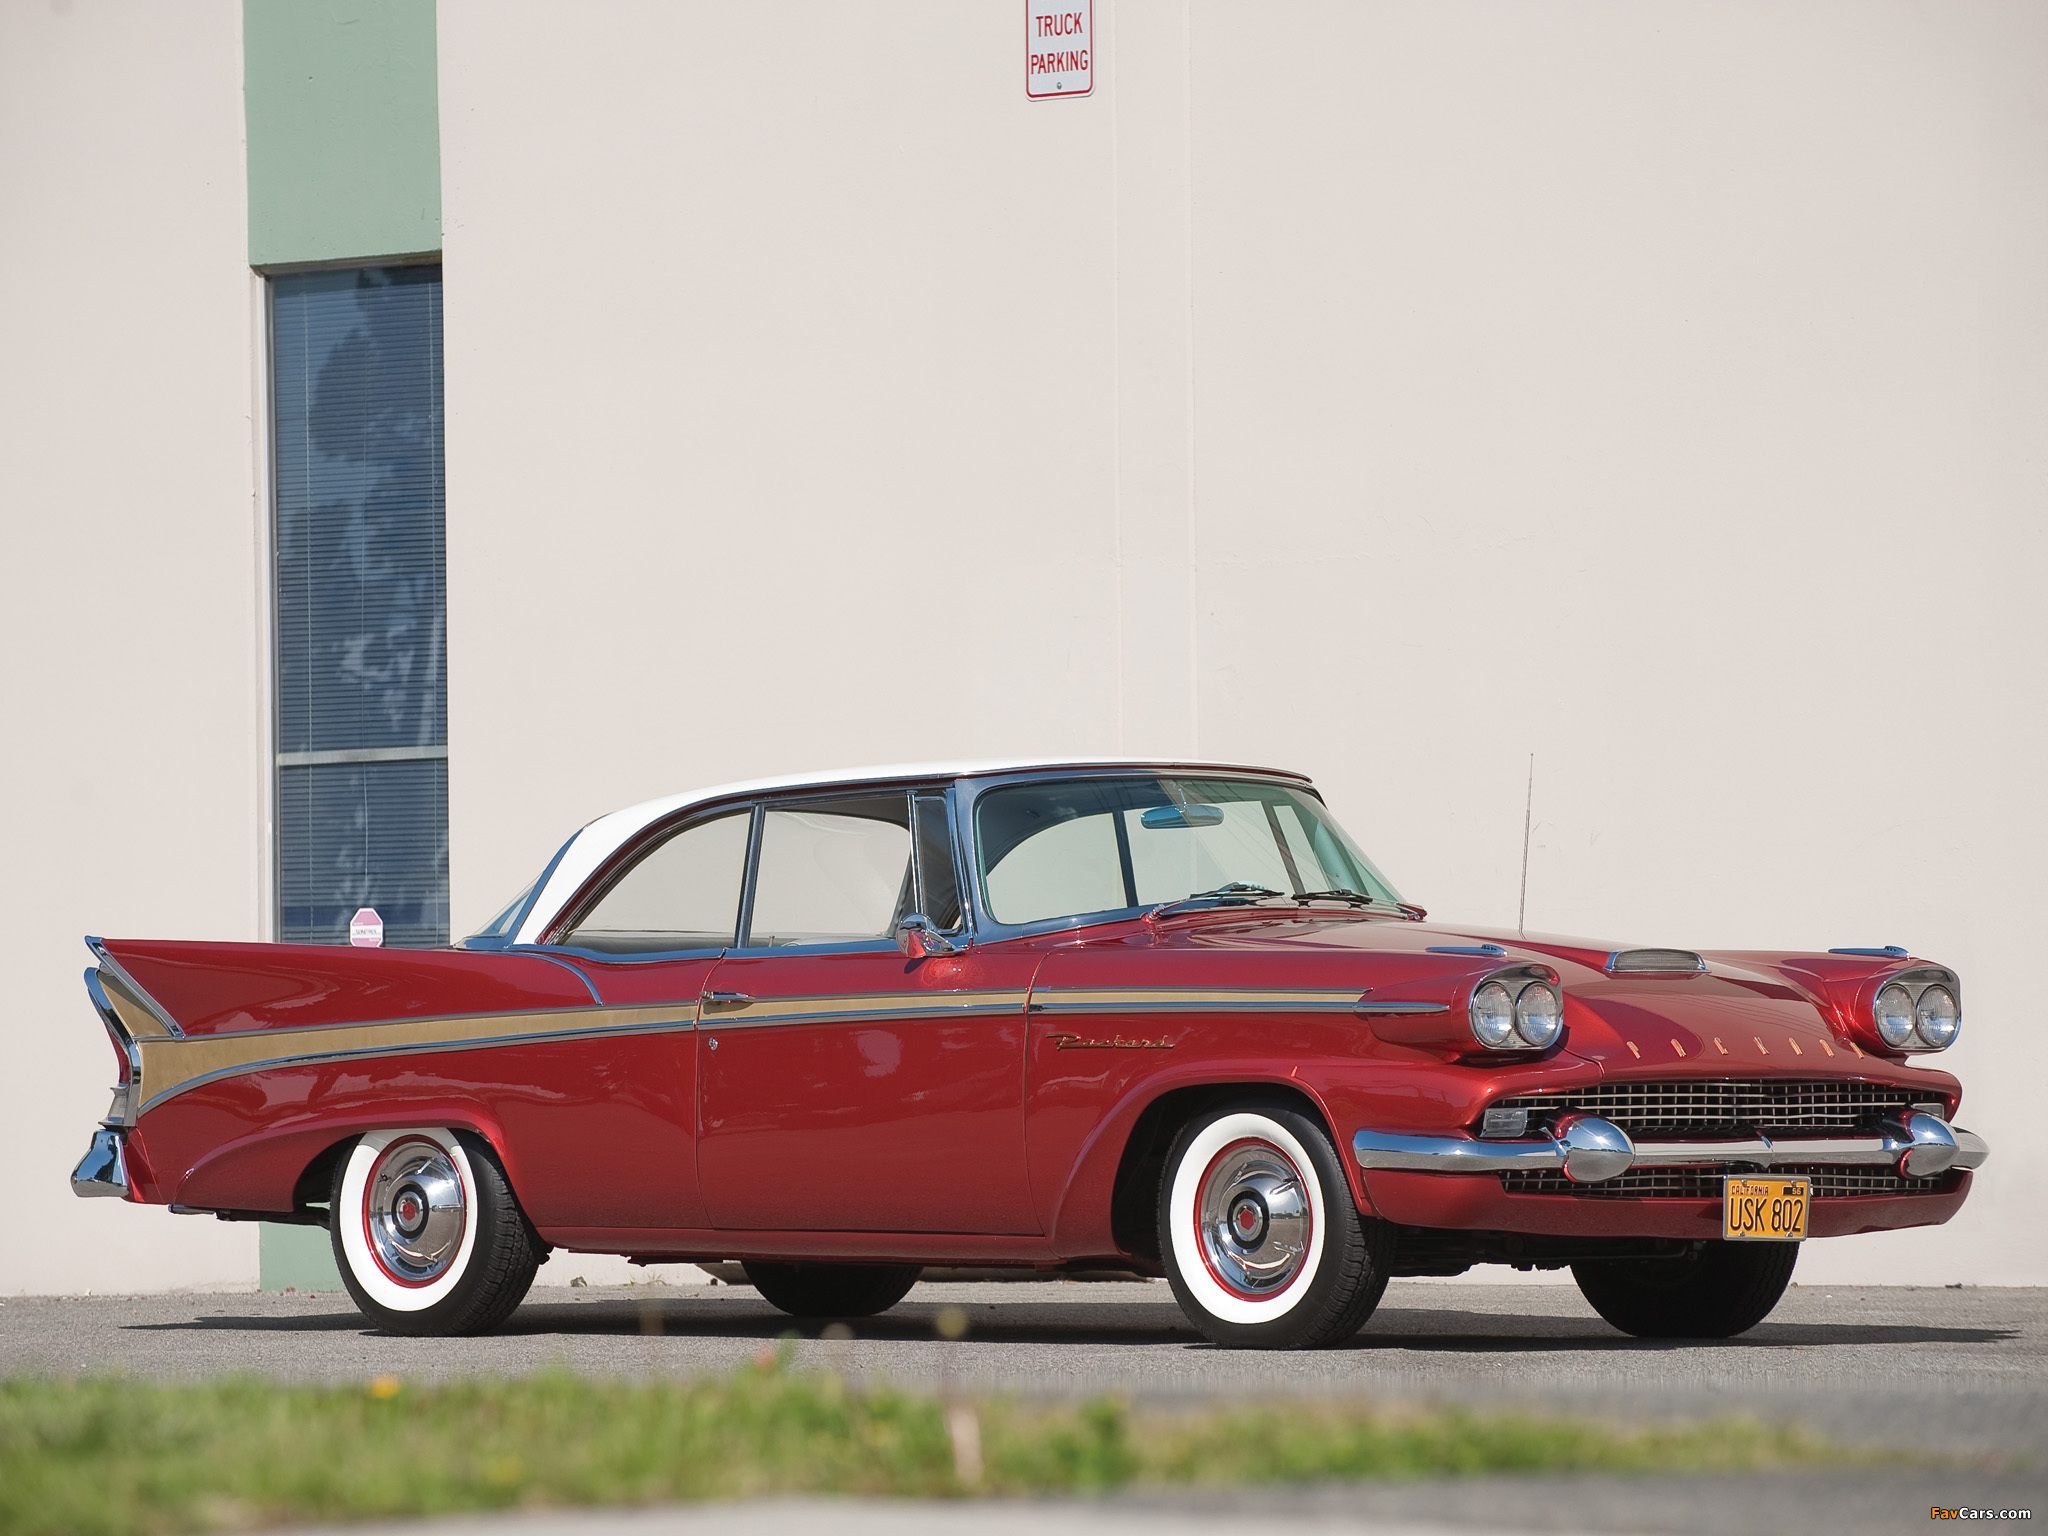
{"x": 427, "y": 1235}
{"x": 1261, "y": 1240}
{"x": 1718, "y": 1291}
{"x": 832, "y": 1290}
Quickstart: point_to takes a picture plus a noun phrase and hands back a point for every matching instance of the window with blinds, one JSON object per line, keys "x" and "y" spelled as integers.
{"x": 361, "y": 603}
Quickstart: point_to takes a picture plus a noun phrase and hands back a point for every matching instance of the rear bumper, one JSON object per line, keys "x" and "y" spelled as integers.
{"x": 103, "y": 1172}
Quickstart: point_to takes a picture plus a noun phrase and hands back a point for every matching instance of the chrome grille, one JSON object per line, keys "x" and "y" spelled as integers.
{"x": 1705, "y": 1106}
{"x": 1831, "y": 1181}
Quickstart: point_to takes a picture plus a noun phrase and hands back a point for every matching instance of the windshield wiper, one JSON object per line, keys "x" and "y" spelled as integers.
{"x": 1231, "y": 893}
{"x": 1360, "y": 899}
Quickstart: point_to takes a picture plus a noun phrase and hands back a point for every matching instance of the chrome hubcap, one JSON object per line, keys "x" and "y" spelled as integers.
{"x": 1253, "y": 1219}
{"x": 414, "y": 1212}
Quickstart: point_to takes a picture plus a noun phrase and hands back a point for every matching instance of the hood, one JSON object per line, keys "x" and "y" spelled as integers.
{"x": 1759, "y": 1014}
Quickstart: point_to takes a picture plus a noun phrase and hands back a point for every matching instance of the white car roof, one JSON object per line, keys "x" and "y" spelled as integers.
{"x": 589, "y": 848}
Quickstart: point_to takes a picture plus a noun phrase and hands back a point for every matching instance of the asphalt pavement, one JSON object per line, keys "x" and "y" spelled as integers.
{"x": 1957, "y": 1372}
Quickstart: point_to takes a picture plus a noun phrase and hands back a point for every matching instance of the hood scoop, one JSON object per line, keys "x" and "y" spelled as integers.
{"x": 1665, "y": 962}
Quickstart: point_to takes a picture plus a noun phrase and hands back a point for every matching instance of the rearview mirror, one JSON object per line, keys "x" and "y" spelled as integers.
{"x": 1182, "y": 816}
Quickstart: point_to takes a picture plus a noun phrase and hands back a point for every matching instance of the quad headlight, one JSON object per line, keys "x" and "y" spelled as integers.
{"x": 1538, "y": 1014}
{"x": 1936, "y": 1018}
{"x": 1918, "y": 1010}
{"x": 1493, "y": 1015}
{"x": 1895, "y": 1016}
{"x": 1517, "y": 1010}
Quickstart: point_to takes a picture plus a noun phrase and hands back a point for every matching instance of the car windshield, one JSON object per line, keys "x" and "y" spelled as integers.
{"x": 1080, "y": 847}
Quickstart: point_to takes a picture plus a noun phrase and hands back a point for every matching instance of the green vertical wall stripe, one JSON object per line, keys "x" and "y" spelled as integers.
{"x": 344, "y": 129}
{"x": 296, "y": 1259}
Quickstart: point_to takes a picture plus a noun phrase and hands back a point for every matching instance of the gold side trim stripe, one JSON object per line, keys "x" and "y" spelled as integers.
{"x": 723, "y": 1020}
{"x": 138, "y": 1020}
{"x": 1197, "y": 1000}
{"x": 877, "y": 1005}
{"x": 171, "y": 1067}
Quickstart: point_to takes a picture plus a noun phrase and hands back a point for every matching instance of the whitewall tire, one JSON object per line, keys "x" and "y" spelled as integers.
{"x": 426, "y": 1233}
{"x": 1260, "y": 1237}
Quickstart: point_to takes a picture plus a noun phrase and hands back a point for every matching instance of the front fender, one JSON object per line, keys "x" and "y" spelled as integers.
{"x": 1079, "y": 1225}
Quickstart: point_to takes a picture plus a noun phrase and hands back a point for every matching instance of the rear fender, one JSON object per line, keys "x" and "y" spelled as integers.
{"x": 261, "y": 1171}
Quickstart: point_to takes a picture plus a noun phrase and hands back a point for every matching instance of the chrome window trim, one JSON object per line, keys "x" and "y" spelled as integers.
{"x": 575, "y": 971}
{"x": 567, "y": 954}
{"x": 837, "y": 947}
{"x": 610, "y": 834}
{"x": 961, "y": 791}
{"x": 750, "y": 864}
{"x": 945, "y": 796}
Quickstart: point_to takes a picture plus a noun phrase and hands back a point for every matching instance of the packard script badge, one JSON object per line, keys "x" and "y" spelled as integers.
{"x": 1114, "y": 1043}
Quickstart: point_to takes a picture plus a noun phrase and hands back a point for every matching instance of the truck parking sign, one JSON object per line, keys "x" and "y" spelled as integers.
{"x": 1059, "y": 48}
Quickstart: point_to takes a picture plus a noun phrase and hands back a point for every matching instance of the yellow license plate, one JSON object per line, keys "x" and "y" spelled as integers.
{"x": 1764, "y": 1210}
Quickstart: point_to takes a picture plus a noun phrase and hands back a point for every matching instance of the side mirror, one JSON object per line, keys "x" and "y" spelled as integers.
{"x": 917, "y": 938}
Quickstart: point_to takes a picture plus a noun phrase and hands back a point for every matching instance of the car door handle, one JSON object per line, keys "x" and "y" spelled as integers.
{"x": 725, "y": 999}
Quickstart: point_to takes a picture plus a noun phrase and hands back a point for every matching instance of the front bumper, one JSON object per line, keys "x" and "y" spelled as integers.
{"x": 103, "y": 1171}
{"x": 1590, "y": 1150}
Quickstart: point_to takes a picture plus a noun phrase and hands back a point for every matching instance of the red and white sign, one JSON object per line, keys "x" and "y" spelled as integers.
{"x": 1059, "y": 48}
{"x": 366, "y": 929}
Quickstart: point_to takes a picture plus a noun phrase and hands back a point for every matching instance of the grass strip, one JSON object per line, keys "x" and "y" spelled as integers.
{"x": 111, "y": 1456}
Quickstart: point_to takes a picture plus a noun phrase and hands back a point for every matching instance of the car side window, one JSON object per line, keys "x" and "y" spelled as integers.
{"x": 832, "y": 871}
{"x": 685, "y": 894}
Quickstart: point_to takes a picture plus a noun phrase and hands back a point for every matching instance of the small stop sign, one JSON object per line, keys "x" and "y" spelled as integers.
{"x": 366, "y": 929}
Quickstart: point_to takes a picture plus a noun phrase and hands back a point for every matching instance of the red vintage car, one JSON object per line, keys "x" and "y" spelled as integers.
{"x": 1160, "y": 1016}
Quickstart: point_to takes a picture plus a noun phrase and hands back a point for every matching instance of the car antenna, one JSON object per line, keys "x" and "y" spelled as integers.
{"x": 1528, "y": 805}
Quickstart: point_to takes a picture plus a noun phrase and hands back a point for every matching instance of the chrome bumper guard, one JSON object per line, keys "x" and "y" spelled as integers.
{"x": 1590, "y": 1150}
{"x": 103, "y": 1171}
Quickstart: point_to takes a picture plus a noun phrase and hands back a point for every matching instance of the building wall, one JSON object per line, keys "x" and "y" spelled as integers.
{"x": 134, "y": 694}
{"x": 1391, "y": 391}
{"x": 1395, "y": 392}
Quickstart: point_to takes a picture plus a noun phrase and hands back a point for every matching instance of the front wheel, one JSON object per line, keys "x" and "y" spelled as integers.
{"x": 1259, "y": 1235}
{"x": 832, "y": 1290}
{"x": 427, "y": 1235}
{"x": 1715, "y": 1292}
